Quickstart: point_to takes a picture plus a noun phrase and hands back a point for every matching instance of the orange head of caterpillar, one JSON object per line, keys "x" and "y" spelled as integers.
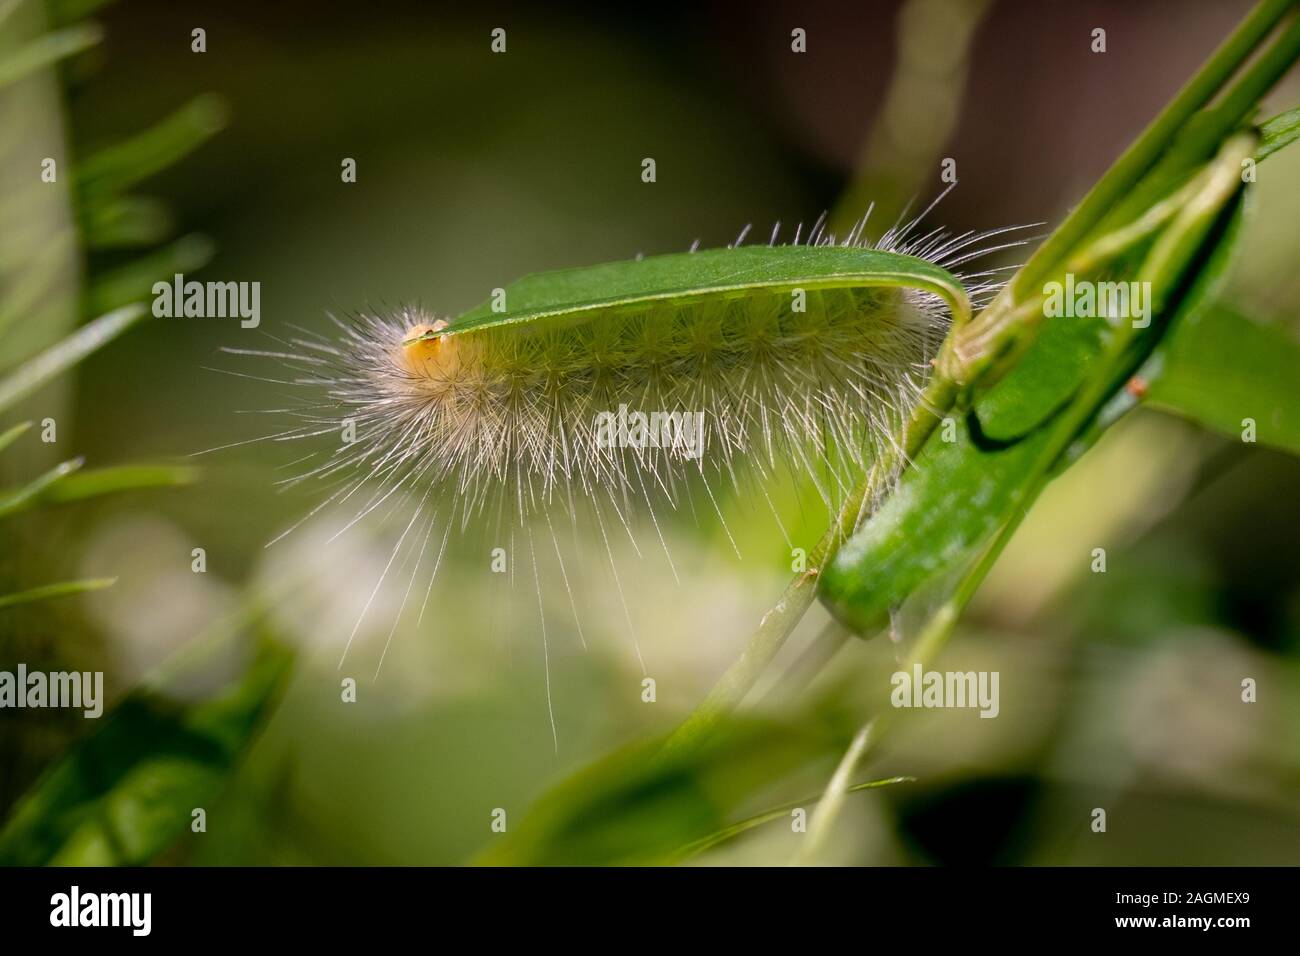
{"x": 426, "y": 353}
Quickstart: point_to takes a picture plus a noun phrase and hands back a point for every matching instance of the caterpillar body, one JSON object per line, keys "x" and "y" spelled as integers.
{"x": 804, "y": 375}
{"x": 795, "y": 360}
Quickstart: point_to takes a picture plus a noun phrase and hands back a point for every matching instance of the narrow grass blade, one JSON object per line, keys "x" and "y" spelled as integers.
{"x": 116, "y": 167}
{"x": 29, "y": 495}
{"x": 47, "y": 592}
{"x": 35, "y": 372}
{"x": 776, "y": 813}
{"x": 105, "y": 481}
{"x": 47, "y": 50}
{"x": 10, "y": 436}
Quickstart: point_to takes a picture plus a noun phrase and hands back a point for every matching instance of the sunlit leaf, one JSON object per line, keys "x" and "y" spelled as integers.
{"x": 695, "y": 277}
{"x": 1223, "y": 370}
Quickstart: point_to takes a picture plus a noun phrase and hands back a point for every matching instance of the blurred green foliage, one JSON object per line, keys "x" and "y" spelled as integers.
{"x": 474, "y": 170}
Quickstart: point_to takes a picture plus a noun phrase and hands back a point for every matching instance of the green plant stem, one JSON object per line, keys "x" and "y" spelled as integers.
{"x": 1164, "y": 264}
{"x": 971, "y": 348}
{"x": 782, "y": 618}
{"x": 929, "y": 77}
{"x": 810, "y": 662}
{"x": 938, "y": 628}
{"x": 776, "y": 625}
{"x": 1146, "y": 149}
{"x": 722, "y": 836}
{"x": 828, "y": 808}
{"x": 970, "y": 352}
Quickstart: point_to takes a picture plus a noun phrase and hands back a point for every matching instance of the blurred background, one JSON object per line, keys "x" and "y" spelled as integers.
{"x": 474, "y": 168}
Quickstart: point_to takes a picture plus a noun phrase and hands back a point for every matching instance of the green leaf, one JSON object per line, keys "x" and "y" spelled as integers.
{"x": 644, "y": 805}
{"x": 70, "y": 11}
{"x": 133, "y": 281}
{"x": 1221, "y": 368}
{"x": 1057, "y": 360}
{"x": 1278, "y": 133}
{"x": 728, "y": 273}
{"x": 105, "y": 481}
{"x": 125, "y": 221}
{"x": 112, "y": 169}
{"x": 1047, "y": 375}
{"x": 66, "y": 482}
{"x": 124, "y": 794}
{"x": 953, "y": 500}
{"x": 48, "y": 591}
{"x": 947, "y": 508}
{"x": 60, "y": 357}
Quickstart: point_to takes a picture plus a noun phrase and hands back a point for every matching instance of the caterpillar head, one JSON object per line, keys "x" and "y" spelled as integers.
{"x": 428, "y": 354}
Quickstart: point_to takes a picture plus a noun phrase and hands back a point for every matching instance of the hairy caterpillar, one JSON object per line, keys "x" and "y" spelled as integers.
{"x": 799, "y": 359}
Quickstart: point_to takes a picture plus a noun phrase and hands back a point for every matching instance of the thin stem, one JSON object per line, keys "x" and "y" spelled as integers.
{"x": 929, "y": 78}
{"x": 1146, "y": 149}
{"x": 782, "y": 618}
{"x": 971, "y": 351}
{"x": 713, "y": 839}
{"x": 937, "y": 630}
{"x": 828, "y": 808}
{"x": 776, "y": 625}
{"x": 970, "y": 348}
{"x": 1165, "y": 264}
{"x": 820, "y": 651}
